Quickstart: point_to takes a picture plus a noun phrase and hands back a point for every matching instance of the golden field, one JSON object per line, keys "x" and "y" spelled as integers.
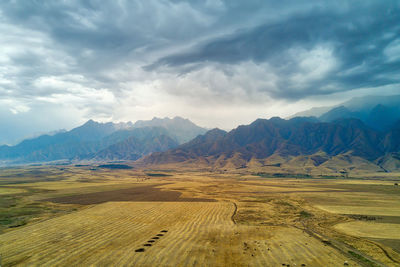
{"x": 80, "y": 216}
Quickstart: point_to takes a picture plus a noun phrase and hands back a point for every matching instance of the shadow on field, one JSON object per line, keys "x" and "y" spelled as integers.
{"x": 140, "y": 193}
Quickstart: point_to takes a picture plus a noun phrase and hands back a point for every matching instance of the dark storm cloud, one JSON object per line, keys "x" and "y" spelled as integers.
{"x": 358, "y": 36}
{"x": 99, "y": 36}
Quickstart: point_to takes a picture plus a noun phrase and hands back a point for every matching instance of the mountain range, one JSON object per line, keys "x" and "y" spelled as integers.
{"x": 103, "y": 141}
{"x": 277, "y": 141}
{"x": 360, "y": 134}
{"x": 378, "y": 112}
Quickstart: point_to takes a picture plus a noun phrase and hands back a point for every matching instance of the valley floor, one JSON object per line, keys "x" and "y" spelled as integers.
{"x": 71, "y": 216}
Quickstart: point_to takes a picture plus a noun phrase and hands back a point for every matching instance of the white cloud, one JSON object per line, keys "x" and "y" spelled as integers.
{"x": 392, "y": 51}
{"x": 19, "y": 109}
{"x": 314, "y": 64}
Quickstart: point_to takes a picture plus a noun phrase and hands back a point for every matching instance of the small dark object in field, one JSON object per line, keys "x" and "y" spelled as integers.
{"x": 158, "y": 174}
{"x": 155, "y": 237}
{"x": 305, "y": 214}
{"x": 115, "y": 166}
{"x": 326, "y": 242}
{"x": 159, "y": 235}
{"x": 303, "y": 264}
{"x": 346, "y": 263}
{"x": 147, "y": 245}
{"x": 150, "y": 241}
{"x": 164, "y": 231}
{"x": 140, "y": 250}
{"x": 362, "y": 217}
{"x": 396, "y": 184}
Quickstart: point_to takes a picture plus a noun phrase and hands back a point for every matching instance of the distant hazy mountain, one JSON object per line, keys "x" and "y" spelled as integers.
{"x": 84, "y": 139}
{"x": 312, "y": 112}
{"x": 103, "y": 141}
{"x": 134, "y": 143}
{"x": 378, "y": 112}
{"x": 183, "y": 130}
{"x": 340, "y": 112}
{"x": 286, "y": 138}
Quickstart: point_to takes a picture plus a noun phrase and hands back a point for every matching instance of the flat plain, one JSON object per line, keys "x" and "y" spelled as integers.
{"x": 71, "y": 216}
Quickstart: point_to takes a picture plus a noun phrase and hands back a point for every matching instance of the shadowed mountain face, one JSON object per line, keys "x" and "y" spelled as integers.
{"x": 103, "y": 141}
{"x": 383, "y": 117}
{"x": 133, "y": 147}
{"x": 391, "y": 142}
{"x": 298, "y": 136}
{"x": 202, "y": 145}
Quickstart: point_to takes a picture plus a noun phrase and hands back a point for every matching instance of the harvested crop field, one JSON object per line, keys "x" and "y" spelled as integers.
{"x": 160, "y": 234}
{"x": 139, "y": 193}
{"x": 371, "y": 229}
{"x": 365, "y": 210}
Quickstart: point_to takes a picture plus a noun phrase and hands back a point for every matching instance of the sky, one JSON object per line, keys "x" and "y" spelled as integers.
{"x": 218, "y": 63}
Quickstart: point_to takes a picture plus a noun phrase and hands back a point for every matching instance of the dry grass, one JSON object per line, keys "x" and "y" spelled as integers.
{"x": 11, "y": 191}
{"x": 198, "y": 234}
{"x": 364, "y": 210}
{"x": 255, "y": 221}
{"x": 370, "y": 229}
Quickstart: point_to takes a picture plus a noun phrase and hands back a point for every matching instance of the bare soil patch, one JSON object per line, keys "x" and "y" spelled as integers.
{"x": 142, "y": 194}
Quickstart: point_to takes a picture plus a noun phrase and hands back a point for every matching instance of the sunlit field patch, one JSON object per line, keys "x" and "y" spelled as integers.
{"x": 370, "y": 229}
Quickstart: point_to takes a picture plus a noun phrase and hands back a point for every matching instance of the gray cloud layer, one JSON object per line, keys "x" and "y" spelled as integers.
{"x": 135, "y": 59}
{"x": 362, "y": 39}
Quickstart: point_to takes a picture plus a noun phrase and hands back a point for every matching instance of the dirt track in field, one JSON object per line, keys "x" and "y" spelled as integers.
{"x": 146, "y": 193}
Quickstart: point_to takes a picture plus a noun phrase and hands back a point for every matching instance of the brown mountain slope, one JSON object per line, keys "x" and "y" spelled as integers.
{"x": 299, "y": 145}
{"x": 264, "y": 138}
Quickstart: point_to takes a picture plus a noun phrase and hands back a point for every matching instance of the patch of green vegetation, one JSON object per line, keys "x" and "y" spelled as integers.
{"x": 8, "y": 201}
{"x": 158, "y": 174}
{"x": 161, "y": 170}
{"x": 115, "y": 166}
{"x": 14, "y": 212}
{"x": 273, "y": 165}
{"x": 18, "y": 216}
{"x": 362, "y": 259}
{"x": 29, "y": 181}
{"x": 284, "y": 203}
{"x": 283, "y": 175}
{"x": 329, "y": 177}
{"x": 5, "y": 221}
{"x": 17, "y": 223}
{"x": 305, "y": 214}
{"x": 16, "y": 176}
